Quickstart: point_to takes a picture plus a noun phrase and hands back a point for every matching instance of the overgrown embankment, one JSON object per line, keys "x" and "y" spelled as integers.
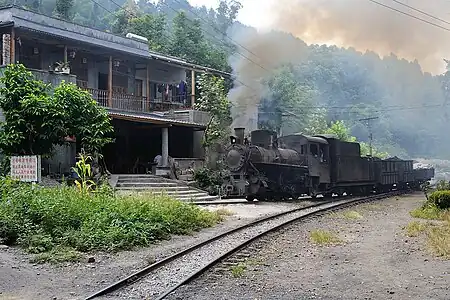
{"x": 436, "y": 210}
{"x": 61, "y": 223}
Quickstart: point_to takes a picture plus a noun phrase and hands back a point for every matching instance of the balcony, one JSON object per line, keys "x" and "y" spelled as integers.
{"x": 133, "y": 103}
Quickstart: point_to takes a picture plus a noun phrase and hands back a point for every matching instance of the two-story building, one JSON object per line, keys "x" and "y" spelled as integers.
{"x": 149, "y": 96}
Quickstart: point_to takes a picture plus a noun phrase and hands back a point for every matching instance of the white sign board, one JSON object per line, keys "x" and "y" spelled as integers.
{"x": 26, "y": 168}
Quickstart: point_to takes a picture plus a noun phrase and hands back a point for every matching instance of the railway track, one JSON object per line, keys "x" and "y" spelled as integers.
{"x": 160, "y": 279}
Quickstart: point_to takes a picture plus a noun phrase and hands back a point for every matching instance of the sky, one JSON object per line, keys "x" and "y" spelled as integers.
{"x": 254, "y": 12}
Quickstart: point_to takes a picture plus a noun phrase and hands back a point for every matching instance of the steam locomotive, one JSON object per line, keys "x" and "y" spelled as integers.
{"x": 267, "y": 167}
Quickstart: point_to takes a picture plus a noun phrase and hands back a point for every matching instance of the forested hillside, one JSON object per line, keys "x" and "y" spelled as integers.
{"x": 298, "y": 88}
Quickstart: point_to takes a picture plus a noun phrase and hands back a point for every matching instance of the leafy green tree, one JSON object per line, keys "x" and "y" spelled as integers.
{"x": 34, "y": 121}
{"x": 342, "y": 132}
{"x": 226, "y": 15}
{"x": 63, "y": 9}
{"x": 288, "y": 101}
{"x": 213, "y": 100}
{"x": 85, "y": 119}
{"x": 119, "y": 20}
{"x": 153, "y": 27}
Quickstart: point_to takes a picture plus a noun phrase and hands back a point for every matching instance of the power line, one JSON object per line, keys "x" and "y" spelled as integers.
{"x": 409, "y": 15}
{"x": 421, "y": 11}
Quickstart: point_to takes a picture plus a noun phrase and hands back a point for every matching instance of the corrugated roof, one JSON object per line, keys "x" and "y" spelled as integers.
{"x": 151, "y": 118}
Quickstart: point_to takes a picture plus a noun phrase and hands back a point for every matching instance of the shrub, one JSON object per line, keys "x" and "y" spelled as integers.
{"x": 43, "y": 220}
{"x": 208, "y": 180}
{"x": 440, "y": 199}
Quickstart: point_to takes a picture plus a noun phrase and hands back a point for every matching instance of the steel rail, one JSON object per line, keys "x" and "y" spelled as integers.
{"x": 143, "y": 272}
{"x": 199, "y": 272}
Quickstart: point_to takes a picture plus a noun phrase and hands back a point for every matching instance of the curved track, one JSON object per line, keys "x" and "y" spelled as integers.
{"x": 160, "y": 279}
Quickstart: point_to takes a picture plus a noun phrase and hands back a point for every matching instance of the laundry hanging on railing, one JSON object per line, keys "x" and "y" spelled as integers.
{"x": 182, "y": 91}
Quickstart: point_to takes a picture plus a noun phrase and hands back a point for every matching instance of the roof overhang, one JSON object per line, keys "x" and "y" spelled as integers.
{"x": 152, "y": 119}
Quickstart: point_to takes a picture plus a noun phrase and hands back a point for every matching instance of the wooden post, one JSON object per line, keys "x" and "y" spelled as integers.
{"x": 12, "y": 46}
{"x": 192, "y": 88}
{"x": 65, "y": 54}
{"x": 110, "y": 81}
{"x": 147, "y": 89}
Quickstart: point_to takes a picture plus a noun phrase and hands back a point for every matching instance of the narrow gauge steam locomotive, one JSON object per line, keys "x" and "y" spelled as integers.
{"x": 297, "y": 165}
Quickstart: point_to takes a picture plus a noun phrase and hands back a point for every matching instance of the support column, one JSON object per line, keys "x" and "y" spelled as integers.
{"x": 192, "y": 88}
{"x": 165, "y": 147}
{"x": 12, "y": 47}
{"x": 65, "y": 54}
{"x": 147, "y": 88}
{"x": 110, "y": 81}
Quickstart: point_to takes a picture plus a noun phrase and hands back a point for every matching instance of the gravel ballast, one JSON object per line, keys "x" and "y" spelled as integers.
{"x": 376, "y": 260}
{"x": 156, "y": 282}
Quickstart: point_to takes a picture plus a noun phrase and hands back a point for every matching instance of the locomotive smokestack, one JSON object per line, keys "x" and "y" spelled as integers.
{"x": 239, "y": 133}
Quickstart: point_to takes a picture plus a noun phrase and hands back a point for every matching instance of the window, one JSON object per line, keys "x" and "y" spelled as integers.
{"x": 314, "y": 150}
{"x": 323, "y": 153}
{"x": 303, "y": 149}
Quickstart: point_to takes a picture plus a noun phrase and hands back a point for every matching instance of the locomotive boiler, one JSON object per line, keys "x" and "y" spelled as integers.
{"x": 267, "y": 167}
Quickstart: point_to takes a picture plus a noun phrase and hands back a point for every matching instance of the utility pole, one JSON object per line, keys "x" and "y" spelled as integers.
{"x": 369, "y": 126}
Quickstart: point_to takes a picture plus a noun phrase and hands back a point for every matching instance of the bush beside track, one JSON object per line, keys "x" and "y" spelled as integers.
{"x": 58, "y": 224}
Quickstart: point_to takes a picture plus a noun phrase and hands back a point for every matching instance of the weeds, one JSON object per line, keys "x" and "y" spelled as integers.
{"x": 224, "y": 212}
{"x": 238, "y": 270}
{"x": 57, "y": 223}
{"x": 439, "y": 240}
{"x": 428, "y": 212}
{"x": 437, "y": 233}
{"x": 323, "y": 237}
{"x": 415, "y": 228}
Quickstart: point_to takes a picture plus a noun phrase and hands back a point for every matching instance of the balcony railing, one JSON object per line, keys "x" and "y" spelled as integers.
{"x": 132, "y": 103}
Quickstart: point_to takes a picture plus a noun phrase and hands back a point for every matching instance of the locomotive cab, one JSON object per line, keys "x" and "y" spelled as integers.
{"x": 315, "y": 153}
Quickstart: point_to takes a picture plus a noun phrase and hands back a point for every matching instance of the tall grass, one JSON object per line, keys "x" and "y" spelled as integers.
{"x": 43, "y": 220}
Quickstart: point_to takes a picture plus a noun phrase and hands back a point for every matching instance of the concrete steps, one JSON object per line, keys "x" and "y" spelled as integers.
{"x": 128, "y": 184}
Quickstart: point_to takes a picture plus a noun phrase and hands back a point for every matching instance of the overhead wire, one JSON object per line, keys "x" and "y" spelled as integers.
{"x": 394, "y": 107}
{"x": 408, "y": 14}
{"x": 421, "y": 11}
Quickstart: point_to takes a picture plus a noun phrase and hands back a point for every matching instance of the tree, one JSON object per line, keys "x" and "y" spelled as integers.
{"x": 153, "y": 27}
{"x": 36, "y": 121}
{"x": 213, "y": 100}
{"x": 342, "y": 132}
{"x": 226, "y": 15}
{"x": 119, "y": 19}
{"x": 63, "y": 9}
{"x": 287, "y": 102}
{"x": 85, "y": 119}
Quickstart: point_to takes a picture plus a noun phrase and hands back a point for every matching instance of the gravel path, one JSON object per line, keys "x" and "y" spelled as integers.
{"x": 20, "y": 279}
{"x": 158, "y": 281}
{"x": 376, "y": 261}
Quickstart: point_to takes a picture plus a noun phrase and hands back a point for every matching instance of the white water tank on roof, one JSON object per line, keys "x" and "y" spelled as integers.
{"x": 136, "y": 37}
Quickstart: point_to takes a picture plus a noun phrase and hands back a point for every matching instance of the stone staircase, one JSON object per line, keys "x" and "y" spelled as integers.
{"x": 179, "y": 190}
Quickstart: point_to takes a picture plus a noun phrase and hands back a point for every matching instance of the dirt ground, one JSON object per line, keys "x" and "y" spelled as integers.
{"x": 375, "y": 261}
{"x": 20, "y": 279}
